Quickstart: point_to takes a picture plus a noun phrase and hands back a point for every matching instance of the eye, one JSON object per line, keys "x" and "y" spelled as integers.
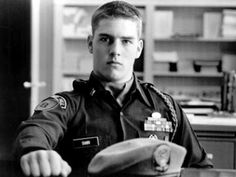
{"x": 126, "y": 41}
{"x": 105, "y": 39}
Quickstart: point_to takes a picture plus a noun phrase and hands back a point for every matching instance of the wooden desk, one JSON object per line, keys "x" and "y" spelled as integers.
{"x": 10, "y": 169}
{"x": 208, "y": 173}
{"x": 218, "y": 137}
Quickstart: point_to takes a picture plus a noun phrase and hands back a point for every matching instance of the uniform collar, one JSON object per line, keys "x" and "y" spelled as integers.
{"x": 96, "y": 86}
{"x": 140, "y": 90}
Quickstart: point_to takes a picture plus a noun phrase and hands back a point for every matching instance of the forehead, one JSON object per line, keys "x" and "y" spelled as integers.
{"x": 118, "y": 27}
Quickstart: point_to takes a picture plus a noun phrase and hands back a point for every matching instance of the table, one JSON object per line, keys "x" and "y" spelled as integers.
{"x": 191, "y": 172}
{"x": 9, "y": 168}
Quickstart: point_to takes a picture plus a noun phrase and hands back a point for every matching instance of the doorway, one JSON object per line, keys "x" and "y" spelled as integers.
{"x": 14, "y": 70}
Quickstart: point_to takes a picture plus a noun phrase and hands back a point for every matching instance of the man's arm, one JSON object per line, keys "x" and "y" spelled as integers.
{"x": 38, "y": 136}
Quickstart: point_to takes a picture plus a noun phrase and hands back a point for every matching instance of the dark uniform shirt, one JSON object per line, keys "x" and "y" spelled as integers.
{"x": 80, "y": 123}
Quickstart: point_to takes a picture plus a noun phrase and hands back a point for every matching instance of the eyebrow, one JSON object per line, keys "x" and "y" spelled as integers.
{"x": 122, "y": 37}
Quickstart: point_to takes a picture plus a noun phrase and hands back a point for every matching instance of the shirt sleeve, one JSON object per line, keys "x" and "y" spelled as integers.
{"x": 196, "y": 156}
{"x": 44, "y": 129}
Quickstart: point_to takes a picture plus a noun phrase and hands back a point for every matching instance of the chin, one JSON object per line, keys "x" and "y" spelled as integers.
{"x": 117, "y": 77}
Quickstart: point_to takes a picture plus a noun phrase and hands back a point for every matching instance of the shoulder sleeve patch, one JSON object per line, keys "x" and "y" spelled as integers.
{"x": 51, "y": 103}
{"x": 46, "y": 104}
{"x": 61, "y": 101}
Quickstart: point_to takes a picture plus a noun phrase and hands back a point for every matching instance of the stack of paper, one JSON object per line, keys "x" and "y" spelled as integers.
{"x": 229, "y": 23}
{"x": 198, "y": 107}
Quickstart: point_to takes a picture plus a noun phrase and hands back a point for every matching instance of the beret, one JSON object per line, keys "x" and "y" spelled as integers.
{"x": 139, "y": 156}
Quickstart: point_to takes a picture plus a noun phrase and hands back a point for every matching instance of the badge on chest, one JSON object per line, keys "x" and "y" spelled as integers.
{"x": 157, "y": 127}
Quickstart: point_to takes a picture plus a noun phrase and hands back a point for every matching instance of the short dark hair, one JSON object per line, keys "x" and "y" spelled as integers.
{"x": 117, "y": 9}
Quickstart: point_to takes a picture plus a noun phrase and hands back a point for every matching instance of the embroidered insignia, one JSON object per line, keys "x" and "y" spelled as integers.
{"x": 51, "y": 103}
{"x": 62, "y": 101}
{"x": 47, "y": 104}
{"x": 162, "y": 157}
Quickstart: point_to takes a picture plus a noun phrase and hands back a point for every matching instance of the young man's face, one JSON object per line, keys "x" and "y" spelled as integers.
{"x": 115, "y": 46}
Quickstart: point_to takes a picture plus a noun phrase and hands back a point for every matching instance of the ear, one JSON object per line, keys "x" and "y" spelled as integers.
{"x": 90, "y": 43}
{"x": 139, "y": 48}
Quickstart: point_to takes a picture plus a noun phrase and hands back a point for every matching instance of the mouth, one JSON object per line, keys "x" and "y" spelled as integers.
{"x": 115, "y": 63}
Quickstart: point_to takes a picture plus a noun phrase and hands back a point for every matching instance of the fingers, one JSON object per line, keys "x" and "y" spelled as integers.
{"x": 34, "y": 167}
{"x": 55, "y": 162}
{"x": 66, "y": 169}
{"x": 25, "y": 165}
{"x": 29, "y": 164}
{"x": 44, "y": 163}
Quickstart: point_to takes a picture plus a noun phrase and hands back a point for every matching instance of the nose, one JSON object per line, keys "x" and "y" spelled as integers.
{"x": 115, "y": 48}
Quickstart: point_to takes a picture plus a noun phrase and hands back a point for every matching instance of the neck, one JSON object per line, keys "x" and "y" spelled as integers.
{"x": 114, "y": 87}
{"x": 103, "y": 79}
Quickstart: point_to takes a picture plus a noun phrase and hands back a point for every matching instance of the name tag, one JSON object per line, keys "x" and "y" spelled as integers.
{"x": 86, "y": 142}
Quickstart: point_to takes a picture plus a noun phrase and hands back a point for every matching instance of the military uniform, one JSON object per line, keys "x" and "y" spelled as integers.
{"x": 80, "y": 123}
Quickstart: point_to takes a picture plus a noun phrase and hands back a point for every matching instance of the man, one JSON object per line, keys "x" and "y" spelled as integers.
{"x": 69, "y": 128}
